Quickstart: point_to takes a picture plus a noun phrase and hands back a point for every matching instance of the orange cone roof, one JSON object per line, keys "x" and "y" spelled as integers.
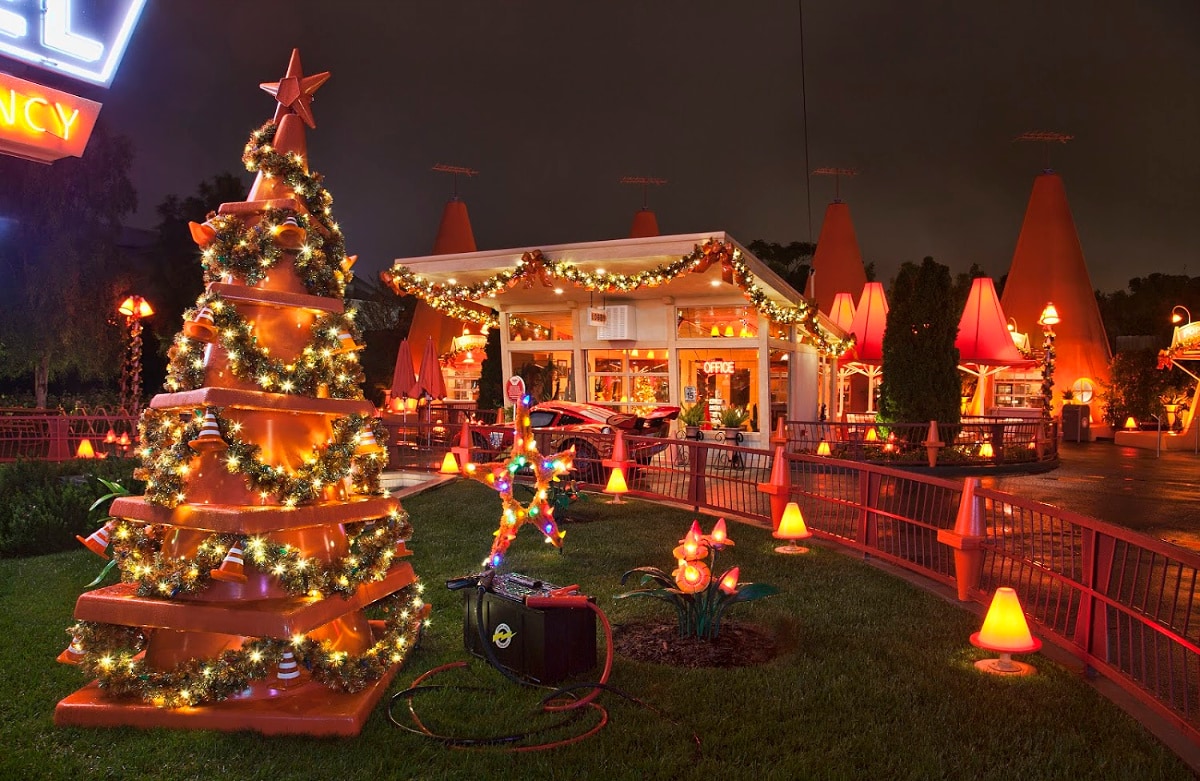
{"x": 837, "y": 263}
{"x": 983, "y": 335}
{"x": 870, "y": 320}
{"x": 644, "y": 224}
{"x": 454, "y": 233}
{"x": 1048, "y": 265}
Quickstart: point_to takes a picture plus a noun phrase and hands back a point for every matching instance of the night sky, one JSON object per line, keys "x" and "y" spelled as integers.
{"x": 553, "y": 102}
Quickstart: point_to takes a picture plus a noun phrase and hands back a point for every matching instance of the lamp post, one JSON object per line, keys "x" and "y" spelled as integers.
{"x": 1177, "y": 318}
{"x": 1047, "y": 321}
{"x": 134, "y": 308}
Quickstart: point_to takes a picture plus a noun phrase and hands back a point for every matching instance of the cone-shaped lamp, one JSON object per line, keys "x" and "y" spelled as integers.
{"x": 1005, "y": 630}
{"x": 449, "y": 465}
{"x": 791, "y": 528}
{"x": 616, "y": 485}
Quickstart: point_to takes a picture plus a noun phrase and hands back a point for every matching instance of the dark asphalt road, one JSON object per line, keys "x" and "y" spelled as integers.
{"x": 1121, "y": 485}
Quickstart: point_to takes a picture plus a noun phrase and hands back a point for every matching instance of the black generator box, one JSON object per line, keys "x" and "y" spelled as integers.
{"x": 545, "y": 646}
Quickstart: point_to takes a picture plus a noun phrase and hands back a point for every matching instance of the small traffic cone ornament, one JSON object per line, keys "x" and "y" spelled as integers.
{"x": 345, "y": 343}
{"x": 288, "y": 672}
{"x": 290, "y": 235}
{"x": 1006, "y": 631}
{"x": 367, "y": 444}
{"x": 73, "y": 653}
{"x": 97, "y": 543}
{"x": 202, "y": 233}
{"x": 232, "y": 569}
{"x": 209, "y": 439}
{"x": 201, "y": 327}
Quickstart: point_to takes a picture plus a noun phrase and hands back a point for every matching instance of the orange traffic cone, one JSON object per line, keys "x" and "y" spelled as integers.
{"x": 97, "y": 543}
{"x": 202, "y": 233}
{"x": 232, "y": 569}
{"x": 290, "y": 235}
{"x": 346, "y": 343}
{"x": 367, "y": 443}
{"x": 209, "y": 438}
{"x": 288, "y": 672}
{"x": 201, "y": 327}
{"x": 73, "y": 653}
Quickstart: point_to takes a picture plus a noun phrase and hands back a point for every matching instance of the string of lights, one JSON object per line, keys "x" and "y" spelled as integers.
{"x": 137, "y": 549}
{"x": 166, "y": 458}
{"x": 323, "y": 366}
{"x": 533, "y": 266}
{"x": 112, "y": 654}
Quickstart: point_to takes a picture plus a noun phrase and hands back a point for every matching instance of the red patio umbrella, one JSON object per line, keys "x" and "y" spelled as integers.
{"x": 403, "y": 378}
{"x": 430, "y": 379}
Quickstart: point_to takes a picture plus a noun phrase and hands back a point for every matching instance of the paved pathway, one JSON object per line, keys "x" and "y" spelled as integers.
{"x": 1122, "y": 485}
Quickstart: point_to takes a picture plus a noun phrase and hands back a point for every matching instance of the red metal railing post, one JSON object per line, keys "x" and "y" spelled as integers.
{"x": 1091, "y": 626}
{"x": 60, "y": 447}
{"x": 868, "y": 497}
{"x": 696, "y": 494}
{"x": 779, "y": 486}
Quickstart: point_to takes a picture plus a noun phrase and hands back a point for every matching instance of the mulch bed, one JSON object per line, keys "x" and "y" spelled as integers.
{"x": 738, "y": 645}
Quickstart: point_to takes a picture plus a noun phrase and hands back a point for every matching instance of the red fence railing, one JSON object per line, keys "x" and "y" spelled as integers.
{"x": 53, "y": 436}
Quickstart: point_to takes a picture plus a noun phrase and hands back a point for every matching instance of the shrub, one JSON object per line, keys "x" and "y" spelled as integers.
{"x": 43, "y": 504}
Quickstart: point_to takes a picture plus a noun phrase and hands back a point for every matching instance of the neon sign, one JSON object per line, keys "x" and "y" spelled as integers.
{"x": 83, "y": 39}
{"x": 43, "y": 124}
{"x": 718, "y": 367}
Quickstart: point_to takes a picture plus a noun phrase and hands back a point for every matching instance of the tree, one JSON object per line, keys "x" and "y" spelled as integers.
{"x": 1138, "y": 388}
{"x": 793, "y": 261}
{"x": 173, "y": 275}
{"x": 920, "y": 361}
{"x": 60, "y": 276}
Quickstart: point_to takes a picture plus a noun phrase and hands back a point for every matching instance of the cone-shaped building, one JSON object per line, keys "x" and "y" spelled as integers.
{"x": 1048, "y": 266}
{"x": 644, "y": 224}
{"x": 837, "y": 264}
{"x": 264, "y": 534}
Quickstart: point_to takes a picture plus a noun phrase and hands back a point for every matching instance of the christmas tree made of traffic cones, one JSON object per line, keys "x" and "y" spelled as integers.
{"x": 248, "y": 567}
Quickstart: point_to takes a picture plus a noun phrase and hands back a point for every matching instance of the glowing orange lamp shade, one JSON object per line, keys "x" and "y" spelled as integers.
{"x": 986, "y": 451}
{"x": 729, "y": 331}
{"x": 729, "y": 581}
{"x": 616, "y": 485}
{"x": 85, "y": 450}
{"x": 123, "y": 440}
{"x": 1049, "y": 315}
{"x": 872, "y": 435}
{"x": 692, "y": 576}
{"x": 715, "y": 331}
{"x": 1005, "y": 630}
{"x": 791, "y": 528}
{"x": 110, "y": 438}
{"x": 449, "y": 465}
{"x": 1130, "y": 423}
{"x": 823, "y": 449}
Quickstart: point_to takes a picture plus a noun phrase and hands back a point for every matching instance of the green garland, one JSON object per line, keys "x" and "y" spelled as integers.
{"x": 111, "y": 655}
{"x": 137, "y": 550}
{"x": 166, "y": 456}
{"x": 534, "y": 266}
{"x": 318, "y": 365}
{"x": 250, "y": 252}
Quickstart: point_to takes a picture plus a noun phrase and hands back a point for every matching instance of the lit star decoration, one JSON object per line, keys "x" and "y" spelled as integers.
{"x": 321, "y": 364}
{"x": 500, "y": 475}
{"x": 166, "y": 459}
{"x": 534, "y": 267}
{"x": 295, "y": 91}
{"x": 373, "y": 547}
{"x": 113, "y": 655}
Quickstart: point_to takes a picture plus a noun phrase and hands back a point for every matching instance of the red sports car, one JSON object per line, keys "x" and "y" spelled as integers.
{"x": 578, "y": 424}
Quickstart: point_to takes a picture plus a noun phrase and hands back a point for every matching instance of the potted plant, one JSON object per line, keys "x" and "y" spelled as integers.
{"x": 731, "y": 419}
{"x": 691, "y": 417}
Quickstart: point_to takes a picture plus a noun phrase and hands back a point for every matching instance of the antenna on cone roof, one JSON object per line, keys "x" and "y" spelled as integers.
{"x": 1046, "y": 138}
{"x": 645, "y": 182}
{"x": 837, "y": 174}
{"x": 455, "y": 170}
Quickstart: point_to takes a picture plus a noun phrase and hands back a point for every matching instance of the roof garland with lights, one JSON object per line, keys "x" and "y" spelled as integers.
{"x": 534, "y": 266}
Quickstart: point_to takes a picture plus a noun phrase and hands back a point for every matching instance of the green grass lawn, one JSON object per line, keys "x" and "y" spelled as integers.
{"x": 876, "y": 680}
